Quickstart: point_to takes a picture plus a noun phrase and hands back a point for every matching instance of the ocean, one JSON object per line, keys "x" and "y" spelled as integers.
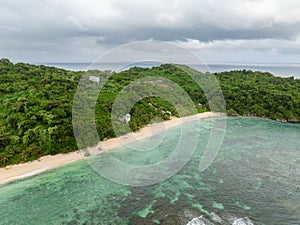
{"x": 282, "y": 70}
{"x": 253, "y": 180}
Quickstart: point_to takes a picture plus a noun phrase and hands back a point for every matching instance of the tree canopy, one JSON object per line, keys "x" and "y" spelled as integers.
{"x": 36, "y": 112}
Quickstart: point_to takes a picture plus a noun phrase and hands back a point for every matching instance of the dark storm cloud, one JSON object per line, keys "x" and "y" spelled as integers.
{"x": 204, "y": 33}
{"x": 88, "y": 27}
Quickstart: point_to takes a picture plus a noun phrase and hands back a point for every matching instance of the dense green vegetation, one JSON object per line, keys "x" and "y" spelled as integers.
{"x": 261, "y": 94}
{"x": 35, "y": 117}
{"x": 36, "y": 112}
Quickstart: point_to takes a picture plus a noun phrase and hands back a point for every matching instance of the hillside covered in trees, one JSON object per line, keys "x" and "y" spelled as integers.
{"x": 36, "y": 103}
{"x": 261, "y": 94}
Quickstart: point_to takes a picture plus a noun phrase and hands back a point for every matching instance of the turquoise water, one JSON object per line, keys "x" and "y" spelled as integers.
{"x": 256, "y": 175}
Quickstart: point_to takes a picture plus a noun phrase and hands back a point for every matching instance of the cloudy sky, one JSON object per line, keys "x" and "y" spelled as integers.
{"x": 244, "y": 31}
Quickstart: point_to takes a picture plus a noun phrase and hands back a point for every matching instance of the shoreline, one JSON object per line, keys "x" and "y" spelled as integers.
{"x": 20, "y": 171}
{"x": 289, "y": 121}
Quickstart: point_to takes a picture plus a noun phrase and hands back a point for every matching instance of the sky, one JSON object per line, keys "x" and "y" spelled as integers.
{"x": 218, "y": 31}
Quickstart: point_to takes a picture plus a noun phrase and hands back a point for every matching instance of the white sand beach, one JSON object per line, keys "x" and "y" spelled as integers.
{"x": 23, "y": 170}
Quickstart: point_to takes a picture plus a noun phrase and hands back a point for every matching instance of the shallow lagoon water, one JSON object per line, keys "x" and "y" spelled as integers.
{"x": 256, "y": 174}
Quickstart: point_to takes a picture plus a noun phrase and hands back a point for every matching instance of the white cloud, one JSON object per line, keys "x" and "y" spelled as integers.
{"x": 71, "y": 21}
{"x": 169, "y": 18}
{"x": 261, "y": 45}
{"x": 10, "y": 28}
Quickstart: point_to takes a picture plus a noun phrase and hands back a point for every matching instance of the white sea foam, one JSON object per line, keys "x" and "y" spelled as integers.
{"x": 243, "y": 221}
{"x": 201, "y": 220}
{"x": 215, "y": 217}
{"x": 198, "y": 221}
{"x": 26, "y": 175}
